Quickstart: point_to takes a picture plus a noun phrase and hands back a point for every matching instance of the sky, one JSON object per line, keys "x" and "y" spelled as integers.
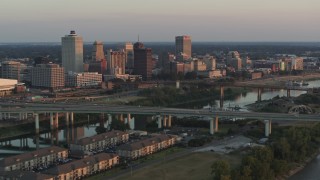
{"x": 160, "y": 20}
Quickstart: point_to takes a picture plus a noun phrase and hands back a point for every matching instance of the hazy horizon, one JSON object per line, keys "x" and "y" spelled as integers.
{"x": 161, "y": 21}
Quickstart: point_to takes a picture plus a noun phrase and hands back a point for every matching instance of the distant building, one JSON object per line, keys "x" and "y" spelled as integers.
{"x": 98, "y": 66}
{"x": 30, "y": 160}
{"x": 12, "y": 70}
{"x": 82, "y": 168}
{"x": 129, "y": 55}
{"x": 86, "y": 79}
{"x": 48, "y": 76}
{"x": 165, "y": 59}
{"x": 24, "y": 175}
{"x": 100, "y": 141}
{"x": 145, "y": 147}
{"x": 97, "y": 52}
{"x": 199, "y": 65}
{"x": 41, "y": 60}
{"x": 234, "y": 60}
{"x": 116, "y": 62}
{"x": 7, "y": 86}
{"x": 72, "y": 52}
{"x": 183, "y": 46}
{"x": 143, "y": 61}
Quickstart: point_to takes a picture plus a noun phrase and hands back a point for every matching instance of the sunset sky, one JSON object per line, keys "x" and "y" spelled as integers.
{"x": 160, "y": 20}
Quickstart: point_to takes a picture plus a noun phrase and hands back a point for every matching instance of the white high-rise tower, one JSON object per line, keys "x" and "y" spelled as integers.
{"x": 72, "y": 52}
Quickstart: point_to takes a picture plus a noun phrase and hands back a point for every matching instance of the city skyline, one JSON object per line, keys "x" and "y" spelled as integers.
{"x": 204, "y": 20}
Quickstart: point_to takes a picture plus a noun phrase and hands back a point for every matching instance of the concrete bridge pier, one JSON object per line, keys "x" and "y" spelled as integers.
{"x": 216, "y": 124}
{"x": 71, "y": 118}
{"x": 288, "y": 92}
{"x": 159, "y": 122}
{"x": 109, "y": 119}
{"x": 267, "y": 128}
{"x": 51, "y": 120}
{"x": 164, "y": 121}
{"x": 37, "y": 123}
{"x": 67, "y": 119}
{"x": 221, "y": 96}
{"x": 211, "y": 126}
{"x": 169, "y": 121}
{"x": 56, "y": 123}
{"x": 128, "y": 118}
{"x": 259, "y": 95}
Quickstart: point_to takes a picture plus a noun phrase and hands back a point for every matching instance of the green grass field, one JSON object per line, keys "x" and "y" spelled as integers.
{"x": 195, "y": 166}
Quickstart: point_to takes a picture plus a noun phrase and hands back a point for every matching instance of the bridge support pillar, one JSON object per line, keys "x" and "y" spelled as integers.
{"x": 259, "y": 95}
{"x": 288, "y": 92}
{"x": 216, "y": 124}
{"x": 177, "y": 84}
{"x": 128, "y": 118}
{"x": 164, "y": 121}
{"x": 267, "y": 128}
{"x": 37, "y": 123}
{"x": 169, "y": 121}
{"x": 71, "y": 118}
{"x": 9, "y": 115}
{"x": 221, "y": 96}
{"x": 109, "y": 118}
{"x": 211, "y": 126}
{"x": 159, "y": 122}
{"x": 67, "y": 119}
{"x": 51, "y": 120}
{"x": 0, "y": 116}
{"x": 56, "y": 123}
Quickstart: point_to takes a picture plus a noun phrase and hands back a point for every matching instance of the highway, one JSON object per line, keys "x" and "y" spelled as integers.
{"x": 116, "y": 109}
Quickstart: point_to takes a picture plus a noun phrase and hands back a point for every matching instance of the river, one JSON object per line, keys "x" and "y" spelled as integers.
{"x": 72, "y": 134}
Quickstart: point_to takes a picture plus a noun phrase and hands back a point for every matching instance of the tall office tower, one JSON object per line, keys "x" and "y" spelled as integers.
{"x": 128, "y": 49}
{"x": 183, "y": 47}
{"x": 12, "y": 70}
{"x": 97, "y": 52}
{"x": 116, "y": 62}
{"x": 72, "y": 52}
{"x": 165, "y": 59}
{"x": 234, "y": 59}
{"x": 142, "y": 61}
{"x": 48, "y": 76}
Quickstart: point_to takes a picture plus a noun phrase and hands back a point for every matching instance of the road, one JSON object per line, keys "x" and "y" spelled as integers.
{"x": 117, "y": 109}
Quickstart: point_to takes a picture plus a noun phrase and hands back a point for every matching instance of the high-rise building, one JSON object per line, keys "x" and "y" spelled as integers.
{"x": 183, "y": 47}
{"x": 142, "y": 61}
{"x": 234, "y": 60}
{"x": 97, "y": 52}
{"x": 128, "y": 49}
{"x": 47, "y": 76}
{"x": 12, "y": 70}
{"x": 116, "y": 62}
{"x": 72, "y": 52}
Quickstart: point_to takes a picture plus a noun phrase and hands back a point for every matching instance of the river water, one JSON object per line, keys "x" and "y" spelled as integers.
{"x": 72, "y": 134}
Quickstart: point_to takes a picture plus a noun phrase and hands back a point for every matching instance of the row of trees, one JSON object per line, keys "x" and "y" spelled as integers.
{"x": 287, "y": 146}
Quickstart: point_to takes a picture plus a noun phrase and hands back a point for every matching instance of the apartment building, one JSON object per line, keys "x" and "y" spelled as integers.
{"x": 100, "y": 141}
{"x": 28, "y": 161}
{"x": 146, "y": 146}
{"x": 24, "y": 175}
{"x": 84, "y": 167}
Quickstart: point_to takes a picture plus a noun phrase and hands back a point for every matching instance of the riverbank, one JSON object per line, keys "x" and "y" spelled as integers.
{"x": 300, "y": 167}
{"x": 281, "y": 80}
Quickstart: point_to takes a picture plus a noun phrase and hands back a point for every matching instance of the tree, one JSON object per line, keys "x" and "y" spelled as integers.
{"x": 221, "y": 170}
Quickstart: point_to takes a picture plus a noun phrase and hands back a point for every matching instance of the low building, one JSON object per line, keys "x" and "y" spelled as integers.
{"x": 84, "y": 167}
{"x": 100, "y": 141}
{"x": 24, "y": 175}
{"x": 7, "y": 86}
{"x": 47, "y": 76}
{"x": 83, "y": 79}
{"x": 146, "y": 146}
{"x": 34, "y": 159}
{"x": 256, "y": 75}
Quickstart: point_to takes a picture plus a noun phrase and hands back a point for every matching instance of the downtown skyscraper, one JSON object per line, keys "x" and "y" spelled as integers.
{"x": 72, "y": 52}
{"x": 183, "y": 47}
{"x": 142, "y": 61}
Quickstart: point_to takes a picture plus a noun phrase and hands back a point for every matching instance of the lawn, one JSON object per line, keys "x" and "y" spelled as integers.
{"x": 194, "y": 166}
